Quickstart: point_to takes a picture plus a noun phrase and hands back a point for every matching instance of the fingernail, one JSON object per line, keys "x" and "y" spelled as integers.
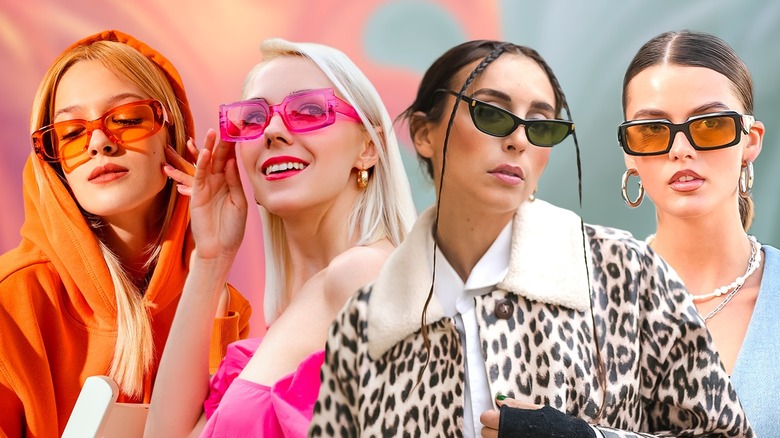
{"x": 500, "y": 396}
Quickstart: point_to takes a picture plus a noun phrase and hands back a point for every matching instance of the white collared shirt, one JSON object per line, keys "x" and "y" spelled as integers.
{"x": 457, "y": 301}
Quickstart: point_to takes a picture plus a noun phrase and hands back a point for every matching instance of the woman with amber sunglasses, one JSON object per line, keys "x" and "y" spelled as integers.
{"x": 691, "y": 137}
{"x": 494, "y": 291}
{"x": 319, "y": 150}
{"x": 94, "y": 284}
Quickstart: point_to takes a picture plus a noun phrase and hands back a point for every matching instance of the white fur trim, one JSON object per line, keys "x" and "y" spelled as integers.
{"x": 399, "y": 292}
{"x": 546, "y": 264}
{"x": 547, "y": 260}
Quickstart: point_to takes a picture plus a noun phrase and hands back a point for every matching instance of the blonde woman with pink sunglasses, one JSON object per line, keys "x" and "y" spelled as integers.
{"x": 318, "y": 147}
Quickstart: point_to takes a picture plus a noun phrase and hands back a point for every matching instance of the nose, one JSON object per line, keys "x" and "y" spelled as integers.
{"x": 99, "y": 143}
{"x": 681, "y": 147}
{"x": 517, "y": 140}
{"x": 276, "y": 131}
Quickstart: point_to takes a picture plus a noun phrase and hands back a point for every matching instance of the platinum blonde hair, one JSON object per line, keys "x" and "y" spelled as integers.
{"x": 384, "y": 209}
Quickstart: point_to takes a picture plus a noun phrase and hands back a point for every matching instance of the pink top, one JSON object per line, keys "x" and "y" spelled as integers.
{"x": 238, "y": 407}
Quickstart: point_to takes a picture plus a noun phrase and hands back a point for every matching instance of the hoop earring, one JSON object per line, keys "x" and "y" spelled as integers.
{"x": 746, "y": 175}
{"x": 635, "y": 203}
{"x": 362, "y": 178}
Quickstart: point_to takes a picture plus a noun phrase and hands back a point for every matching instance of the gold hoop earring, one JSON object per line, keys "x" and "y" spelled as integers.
{"x": 624, "y": 183}
{"x": 362, "y": 178}
{"x": 746, "y": 175}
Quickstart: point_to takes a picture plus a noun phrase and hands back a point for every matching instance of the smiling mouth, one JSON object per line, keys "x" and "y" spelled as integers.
{"x": 283, "y": 167}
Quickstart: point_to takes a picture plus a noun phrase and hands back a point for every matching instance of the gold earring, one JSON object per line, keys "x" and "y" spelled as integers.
{"x": 362, "y": 178}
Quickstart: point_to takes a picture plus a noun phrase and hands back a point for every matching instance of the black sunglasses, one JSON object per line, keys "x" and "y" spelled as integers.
{"x": 498, "y": 122}
{"x": 705, "y": 132}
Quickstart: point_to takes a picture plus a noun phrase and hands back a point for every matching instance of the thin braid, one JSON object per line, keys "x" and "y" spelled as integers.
{"x": 423, "y": 319}
{"x": 561, "y": 97}
{"x": 602, "y": 375}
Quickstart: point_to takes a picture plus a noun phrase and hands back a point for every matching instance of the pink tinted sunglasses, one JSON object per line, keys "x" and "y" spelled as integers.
{"x": 300, "y": 112}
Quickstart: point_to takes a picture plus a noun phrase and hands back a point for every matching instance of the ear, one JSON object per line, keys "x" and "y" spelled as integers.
{"x": 422, "y": 134}
{"x": 629, "y": 160}
{"x": 368, "y": 154}
{"x": 755, "y": 141}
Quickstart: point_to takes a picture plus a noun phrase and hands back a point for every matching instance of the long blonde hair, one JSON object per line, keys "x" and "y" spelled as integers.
{"x": 384, "y": 209}
{"x": 134, "y": 351}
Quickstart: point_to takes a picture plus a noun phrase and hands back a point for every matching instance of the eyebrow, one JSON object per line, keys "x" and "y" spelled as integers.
{"x": 110, "y": 103}
{"x": 536, "y": 105}
{"x": 292, "y": 93}
{"x": 661, "y": 114}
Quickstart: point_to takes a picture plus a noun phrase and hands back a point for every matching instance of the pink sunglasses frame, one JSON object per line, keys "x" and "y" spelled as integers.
{"x": 335, "y": 106}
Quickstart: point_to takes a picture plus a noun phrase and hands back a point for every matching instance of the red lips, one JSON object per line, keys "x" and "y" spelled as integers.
{"x": 282, "y": 167}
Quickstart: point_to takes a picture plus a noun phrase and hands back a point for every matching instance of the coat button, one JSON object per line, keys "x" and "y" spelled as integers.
{"x": 504, "y": 308}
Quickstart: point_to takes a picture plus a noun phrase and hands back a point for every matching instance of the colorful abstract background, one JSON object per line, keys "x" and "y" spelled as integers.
{"x": 214, "y": 44}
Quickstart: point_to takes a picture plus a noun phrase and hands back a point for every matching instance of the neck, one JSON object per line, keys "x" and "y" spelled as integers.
{"x": 130, "y": 234}
{"x": 706, "y": 253}
{"x": 465, "y": 236}
{"x": 314, "y": 238}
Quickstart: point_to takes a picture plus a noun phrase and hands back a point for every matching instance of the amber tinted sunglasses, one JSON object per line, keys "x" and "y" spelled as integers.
{"x": 705, "y": 132}
{"x": 67, "y": 142}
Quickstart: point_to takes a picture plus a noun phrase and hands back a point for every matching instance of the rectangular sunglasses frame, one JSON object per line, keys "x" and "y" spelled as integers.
{"x": 743, "y": 121}
{"x": 47, "y": 153}
{"x": 335, "y": 105}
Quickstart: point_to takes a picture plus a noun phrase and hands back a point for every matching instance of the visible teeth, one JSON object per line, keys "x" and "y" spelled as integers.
{"x": 281, "y": 167}
{"x": 685, "y": 178}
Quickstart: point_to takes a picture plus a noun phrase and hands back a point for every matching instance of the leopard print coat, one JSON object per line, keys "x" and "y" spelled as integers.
{"x": 662, "y": 373}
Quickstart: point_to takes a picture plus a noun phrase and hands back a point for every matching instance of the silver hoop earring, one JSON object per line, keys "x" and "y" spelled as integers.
{"x": 635, "y": 203}
{"x": 746, "y": 175}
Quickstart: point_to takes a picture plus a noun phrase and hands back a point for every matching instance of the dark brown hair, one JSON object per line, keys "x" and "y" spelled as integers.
{"x": 697, "y": 49}
{"x": 441, "y": 75}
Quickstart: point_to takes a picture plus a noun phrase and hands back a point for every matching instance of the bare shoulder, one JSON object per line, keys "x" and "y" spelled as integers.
{"x": 353, "y": 269}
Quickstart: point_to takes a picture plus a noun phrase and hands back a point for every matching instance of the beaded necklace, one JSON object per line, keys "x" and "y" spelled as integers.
{"x": 735, "y": 286}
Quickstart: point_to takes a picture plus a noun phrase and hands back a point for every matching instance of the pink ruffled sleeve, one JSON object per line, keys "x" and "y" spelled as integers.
{"x": 237, "y": 356}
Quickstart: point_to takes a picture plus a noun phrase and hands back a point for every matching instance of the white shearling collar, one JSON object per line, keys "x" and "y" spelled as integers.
{"x": 546, "y": 264}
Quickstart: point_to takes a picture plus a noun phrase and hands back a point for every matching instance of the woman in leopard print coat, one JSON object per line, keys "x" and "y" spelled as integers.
{"x": 525, "y": 299}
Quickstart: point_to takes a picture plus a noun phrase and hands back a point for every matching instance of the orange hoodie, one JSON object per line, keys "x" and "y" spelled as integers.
{"x": 57, "y": 304}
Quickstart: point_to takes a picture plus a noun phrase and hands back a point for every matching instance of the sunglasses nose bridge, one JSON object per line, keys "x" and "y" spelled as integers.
{"x": 681, "y": 143}
{"x": 100, "y": 140}
{"x": 275, "y": 116}
{"x": 517, "y": 138}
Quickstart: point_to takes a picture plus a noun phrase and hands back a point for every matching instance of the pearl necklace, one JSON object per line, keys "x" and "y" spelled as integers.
{"x": 736, "y": 285}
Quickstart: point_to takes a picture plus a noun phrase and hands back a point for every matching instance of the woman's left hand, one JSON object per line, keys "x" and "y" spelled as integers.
{"x": 180, "y": 169}
{"x": 218, "y": 206}
{"x": 490, "y": 419}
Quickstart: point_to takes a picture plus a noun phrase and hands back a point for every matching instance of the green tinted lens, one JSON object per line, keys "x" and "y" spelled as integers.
{"x": 546, "y": 133}
{"x": 492, "y": 120}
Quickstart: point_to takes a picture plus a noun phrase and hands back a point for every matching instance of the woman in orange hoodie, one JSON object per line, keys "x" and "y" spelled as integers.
{"x": 93, "y": 286}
